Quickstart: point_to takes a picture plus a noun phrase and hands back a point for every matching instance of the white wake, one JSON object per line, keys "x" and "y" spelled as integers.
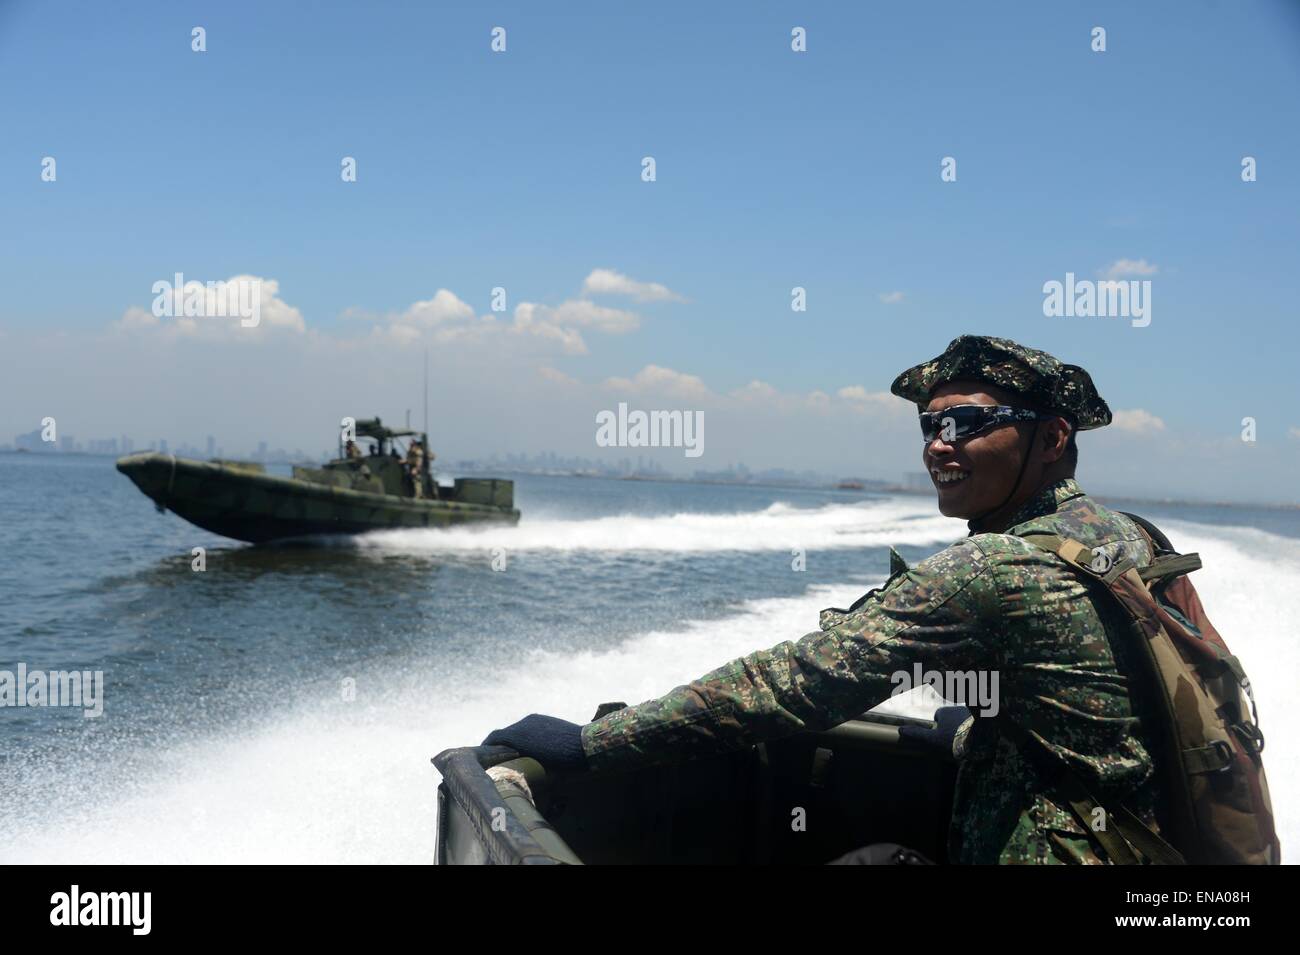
{"x": 351, "y": 782}
{"x": 777, "y": 527}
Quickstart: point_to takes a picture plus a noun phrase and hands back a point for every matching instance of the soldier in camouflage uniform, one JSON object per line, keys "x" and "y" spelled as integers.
{"x": 990, "y": 602}
{"x": 415, "y": 468}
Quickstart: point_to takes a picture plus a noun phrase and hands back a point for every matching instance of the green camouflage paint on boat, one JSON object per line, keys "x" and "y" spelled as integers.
{"x": 348, "y": 495}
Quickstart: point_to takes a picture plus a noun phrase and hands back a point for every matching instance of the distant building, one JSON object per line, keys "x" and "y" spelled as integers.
{"x": 917, "y": 481}
{"x": 31, "y": 441}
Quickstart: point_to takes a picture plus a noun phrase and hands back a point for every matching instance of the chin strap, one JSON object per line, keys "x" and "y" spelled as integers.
{"x": 1015, "y": 487}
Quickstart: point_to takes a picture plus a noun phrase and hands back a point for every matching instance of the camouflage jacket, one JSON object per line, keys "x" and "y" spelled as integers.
{"x": 990, "y": 602}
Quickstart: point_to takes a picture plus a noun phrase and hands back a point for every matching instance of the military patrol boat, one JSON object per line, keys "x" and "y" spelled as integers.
{"x": 804, "y": 799}
{"x": 351, "y": 494}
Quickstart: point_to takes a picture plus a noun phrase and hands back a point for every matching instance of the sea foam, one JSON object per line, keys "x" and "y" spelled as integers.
{"x": 776, "y": 527}
{"x": 352, "y": 782}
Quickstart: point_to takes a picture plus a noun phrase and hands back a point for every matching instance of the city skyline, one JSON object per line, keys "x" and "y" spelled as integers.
{"x": 553, "y": 463}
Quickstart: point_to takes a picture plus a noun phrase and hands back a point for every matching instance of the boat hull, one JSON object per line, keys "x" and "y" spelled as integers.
{"x": 257, "y": 507}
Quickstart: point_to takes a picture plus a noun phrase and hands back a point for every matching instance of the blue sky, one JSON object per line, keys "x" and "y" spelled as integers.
{"x": 774, "y": 169}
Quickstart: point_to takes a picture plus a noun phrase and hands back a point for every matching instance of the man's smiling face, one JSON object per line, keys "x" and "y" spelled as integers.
{"x": 976, "y": 475}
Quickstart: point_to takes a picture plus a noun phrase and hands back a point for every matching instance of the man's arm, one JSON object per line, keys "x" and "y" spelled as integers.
{"x": 936, "y": 614}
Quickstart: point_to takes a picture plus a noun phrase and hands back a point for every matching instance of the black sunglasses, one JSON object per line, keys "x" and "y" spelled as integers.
{"x": 963, "y": 421}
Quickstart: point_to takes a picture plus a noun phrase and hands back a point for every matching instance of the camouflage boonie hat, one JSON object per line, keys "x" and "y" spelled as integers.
{"x": 1046, "y": 381}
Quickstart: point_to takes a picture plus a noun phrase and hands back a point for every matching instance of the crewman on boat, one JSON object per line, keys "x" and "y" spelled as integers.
{"x": 415, "y": 467}
{"x": 999, "y": 421}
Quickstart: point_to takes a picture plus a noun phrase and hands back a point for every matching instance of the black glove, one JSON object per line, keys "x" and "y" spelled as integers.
{"x": 555, "y": 743}
{"x": 952, "y": 725}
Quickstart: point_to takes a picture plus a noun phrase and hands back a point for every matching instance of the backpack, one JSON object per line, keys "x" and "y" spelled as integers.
{"x": 1208, "y": 742}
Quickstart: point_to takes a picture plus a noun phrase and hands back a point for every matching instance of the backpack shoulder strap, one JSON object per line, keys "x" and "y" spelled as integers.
{"x": 1078, "y": 556}
{"x": 1081, "y": 557}
{"x": 1165, "y": 560}
{"x": 1128, "y": 832}
{"x": 1120, "y": 830}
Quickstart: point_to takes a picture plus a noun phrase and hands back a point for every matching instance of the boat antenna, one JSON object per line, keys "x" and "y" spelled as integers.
{"x": 426, "y": 395}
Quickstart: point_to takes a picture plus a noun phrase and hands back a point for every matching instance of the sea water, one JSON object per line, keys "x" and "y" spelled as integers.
{"x": 282, "y": 704}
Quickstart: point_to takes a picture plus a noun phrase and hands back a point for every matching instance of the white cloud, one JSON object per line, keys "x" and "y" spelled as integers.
{"x": 446, "y": 318}
{"x": 609, "y": 282}
{"x": 444, "y": 307}
{"x": 1123, "y": 268}
{"x": 135, "y": 318}
{"x": 891, "y": 298}
{"x": 215, "y": 308}
{"x": 1137, "y": 421}
{"x": 653, "y": 378}
{"x": 855, "y": 393}
{"x": 577, "y": 311}
{"x": 755, "y": 391}
{"x": 569, "y": 339}
{"x": 443, "y": 319}
{"x": 872, "y": 402}
{"x": 399, "y": 334}
{"x": 556, "y": 323}
{"x": 557, "y": 377}
{"x": 759, "y": 396}
{"x": 1294, "y": 432}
